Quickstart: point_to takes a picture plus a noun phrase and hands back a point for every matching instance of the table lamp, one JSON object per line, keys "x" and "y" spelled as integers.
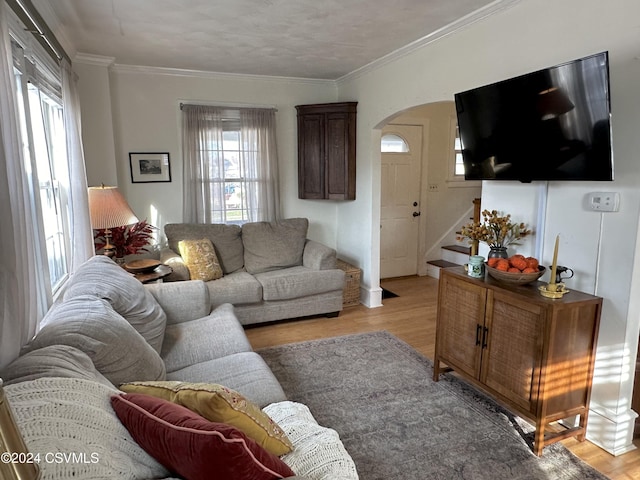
{"x": 12, "y": 444}
{"x": 109, "y": 209}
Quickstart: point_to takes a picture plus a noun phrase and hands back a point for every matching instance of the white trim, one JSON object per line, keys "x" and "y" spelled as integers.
{"x": 142, "y": 69}
{"x": 611, "y": 432}
{"x": 91, "y": 59}
{"x": 371, "y": 297}
{"x": 463, "y": 22}
{"x": 213, "y": 103}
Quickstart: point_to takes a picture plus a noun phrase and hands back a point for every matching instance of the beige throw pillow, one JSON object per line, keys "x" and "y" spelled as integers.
{"x": 201, "y": 259}
{"x": 219, "y": 404}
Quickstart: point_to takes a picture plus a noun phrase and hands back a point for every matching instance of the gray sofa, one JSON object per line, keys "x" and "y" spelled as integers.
{"x": 271, "y": 270}
{"x": 109, "y": 329}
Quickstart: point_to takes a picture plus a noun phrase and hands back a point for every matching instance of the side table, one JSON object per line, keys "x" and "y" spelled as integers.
{"x": 156, "y": 275}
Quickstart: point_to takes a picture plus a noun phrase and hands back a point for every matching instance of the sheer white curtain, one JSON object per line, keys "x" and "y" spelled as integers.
{"x": 81, "y": 233}
{"x": 201, "y": 133}
{"x": 258, "y": 129}
{"x": 23, "y": 295}
{"x": 229, "y": 152}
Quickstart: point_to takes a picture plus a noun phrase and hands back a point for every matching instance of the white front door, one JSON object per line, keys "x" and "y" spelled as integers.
{"x": 400, "y": 204}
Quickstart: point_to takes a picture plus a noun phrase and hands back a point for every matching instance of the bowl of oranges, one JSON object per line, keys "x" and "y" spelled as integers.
{"x": 516, "y": 270}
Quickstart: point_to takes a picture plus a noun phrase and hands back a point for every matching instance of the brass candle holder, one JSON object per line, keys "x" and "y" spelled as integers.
{"x": 553, "y": 290}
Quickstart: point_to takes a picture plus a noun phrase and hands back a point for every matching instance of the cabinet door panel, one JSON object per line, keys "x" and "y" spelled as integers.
{"x": 569, "y": 368}
{"x": 512, "y": 360}
{"x": 311, "y": 156}
{"x": 461, "y": 307}
{"x": 336, "y": 155}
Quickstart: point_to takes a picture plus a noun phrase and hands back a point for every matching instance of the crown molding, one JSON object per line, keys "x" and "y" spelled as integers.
{"x": 463, "y": 22}
{"x": 142, "y": 69}
{"x": 91, "y": 59}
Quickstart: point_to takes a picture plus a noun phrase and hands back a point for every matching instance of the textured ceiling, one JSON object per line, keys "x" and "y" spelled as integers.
{"x": 294, "y": 38}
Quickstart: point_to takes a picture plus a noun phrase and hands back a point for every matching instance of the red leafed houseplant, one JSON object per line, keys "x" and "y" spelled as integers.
{"x": 128, "y": 239}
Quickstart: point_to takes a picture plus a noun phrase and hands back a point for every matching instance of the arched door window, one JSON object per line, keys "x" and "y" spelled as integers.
{"x": 392, "y": 143}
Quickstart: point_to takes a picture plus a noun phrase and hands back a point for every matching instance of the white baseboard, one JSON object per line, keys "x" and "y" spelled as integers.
{"x": 371, "y": 297}
{"x": 611, "y": 432}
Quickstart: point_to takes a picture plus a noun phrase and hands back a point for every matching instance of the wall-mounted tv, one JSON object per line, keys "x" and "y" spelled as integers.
{"x": 553, "y": 124}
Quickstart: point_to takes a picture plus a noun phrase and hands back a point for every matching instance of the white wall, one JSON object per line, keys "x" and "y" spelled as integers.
{"x": 600, "y": 247}
{"x": 97, "y": 129}
{"x": 145, "y": 108}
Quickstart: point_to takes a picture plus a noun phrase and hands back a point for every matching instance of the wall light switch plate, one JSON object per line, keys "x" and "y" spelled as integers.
{"x": 604, "y": 201}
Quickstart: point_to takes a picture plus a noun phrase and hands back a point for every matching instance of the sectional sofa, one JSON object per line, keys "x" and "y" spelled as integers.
{"x": 109, "y": 332}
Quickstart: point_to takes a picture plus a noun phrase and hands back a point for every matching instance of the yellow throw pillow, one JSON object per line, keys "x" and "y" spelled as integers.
{"x": 200, "y": 258}
{"x": 219, "y": 404}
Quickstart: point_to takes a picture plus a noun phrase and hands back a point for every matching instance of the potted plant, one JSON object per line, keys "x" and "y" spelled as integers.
{"x": 128, "y": 239}
{"x": 497, "y": 231}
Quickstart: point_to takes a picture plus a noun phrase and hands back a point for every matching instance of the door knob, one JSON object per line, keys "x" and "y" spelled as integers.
{"x": 416, "y": 214}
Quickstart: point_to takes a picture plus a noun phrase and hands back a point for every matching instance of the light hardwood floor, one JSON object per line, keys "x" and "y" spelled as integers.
{"x": 411, "y": 317}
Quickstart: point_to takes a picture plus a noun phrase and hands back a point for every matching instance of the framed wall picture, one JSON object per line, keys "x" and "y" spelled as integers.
{"x": 150, "y": 167}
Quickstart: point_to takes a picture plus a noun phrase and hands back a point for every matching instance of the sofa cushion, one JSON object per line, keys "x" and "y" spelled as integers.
{"x": 75, "y": 415}
{"x": 200, "y": 258}
{"x": 52, "y": 361}
{"x": 220, "y": 404}
{"x": 226, "y": 240}
{"x": 298, "y": 282}
{"x": 319, "y": 453}
{"x": 192, "y": 446}
{"x": 103, "y": 278}
{"x": 196, "y": 341}
{"x": 235, "y": 288}
{"x": 273, "y": 245}
{"x": 92, "y": 326}
{"x": 245, "y": 372}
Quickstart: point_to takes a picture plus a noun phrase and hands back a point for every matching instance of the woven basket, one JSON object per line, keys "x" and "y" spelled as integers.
{"x": 515, "y": 278}
{"x": 351, "y": 292}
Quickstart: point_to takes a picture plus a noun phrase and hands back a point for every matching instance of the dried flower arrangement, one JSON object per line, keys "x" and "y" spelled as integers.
{"x": 496, "y": 230}
{"x": 128, "y": 239}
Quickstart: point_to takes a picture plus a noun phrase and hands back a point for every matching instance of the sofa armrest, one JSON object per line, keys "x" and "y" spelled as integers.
{"x": 318, "y": 256}
{"x": 174, "y": 260}
{"x": 182, "y": 301}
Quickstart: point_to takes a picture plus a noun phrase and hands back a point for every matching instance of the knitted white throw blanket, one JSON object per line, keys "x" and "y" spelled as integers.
{"x": 69, "y": 425}
{"x": 318, "y": 452}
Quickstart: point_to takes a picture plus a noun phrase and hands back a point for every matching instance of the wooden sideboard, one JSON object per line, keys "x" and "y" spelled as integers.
{"x": 533, "y": 354}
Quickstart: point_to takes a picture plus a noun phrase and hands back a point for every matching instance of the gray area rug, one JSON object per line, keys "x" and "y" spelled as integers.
{"x": 397, "y": 423}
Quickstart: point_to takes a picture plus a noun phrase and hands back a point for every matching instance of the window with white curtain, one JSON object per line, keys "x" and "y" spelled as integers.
{"x": 39, "y": 99}
{"x": 230, "y": 164}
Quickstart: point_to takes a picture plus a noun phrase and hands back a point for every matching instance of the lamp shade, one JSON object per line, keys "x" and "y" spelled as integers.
{"x": 553, "y": 102}
{"x": 108, "y": 208}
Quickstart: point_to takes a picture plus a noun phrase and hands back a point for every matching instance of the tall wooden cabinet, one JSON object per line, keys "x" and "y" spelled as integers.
{"x": 533, "y": 354}
{"x": 327, "y": 151}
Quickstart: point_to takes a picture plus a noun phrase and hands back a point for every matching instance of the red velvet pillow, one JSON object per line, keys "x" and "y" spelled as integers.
{"x": 193, "y": 447}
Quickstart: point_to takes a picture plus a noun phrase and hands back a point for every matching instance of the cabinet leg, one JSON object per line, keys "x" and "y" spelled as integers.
{"x": 583, "y": 425}
{"x": 436, "y": 369}
{"x": 538, "y": 443}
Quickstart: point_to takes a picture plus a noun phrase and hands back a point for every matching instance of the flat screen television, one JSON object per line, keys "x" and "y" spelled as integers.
{"x": 553, "y": 124}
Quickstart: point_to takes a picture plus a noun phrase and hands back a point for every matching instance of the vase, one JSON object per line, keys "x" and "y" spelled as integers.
{"x": 498, "y": 252}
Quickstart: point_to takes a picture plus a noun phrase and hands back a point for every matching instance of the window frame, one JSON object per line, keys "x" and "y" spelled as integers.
{"x": 455, "y": 179}
{"x": 36, "y": 74}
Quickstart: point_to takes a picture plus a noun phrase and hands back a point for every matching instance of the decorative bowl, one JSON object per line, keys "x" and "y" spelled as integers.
{"x": 515, "y": 278}
{"x": 144, "y": 265}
